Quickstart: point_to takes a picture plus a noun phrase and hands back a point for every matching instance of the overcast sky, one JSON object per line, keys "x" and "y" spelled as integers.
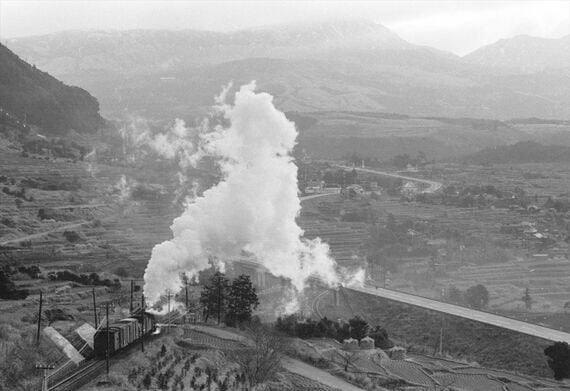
{"x": 456, "y": 26}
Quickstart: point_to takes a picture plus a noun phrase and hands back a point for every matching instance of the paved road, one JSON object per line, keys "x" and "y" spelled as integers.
{"x": 433, "y": 185}
{"x": 468, "y": 313}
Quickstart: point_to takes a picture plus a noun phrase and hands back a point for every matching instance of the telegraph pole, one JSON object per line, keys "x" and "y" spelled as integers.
{"x": 95, "y": 309}
{"x": 39, "y": 320}
{"x": 441, "y": 337}
{"x": 108, "y": 337}
{"x": 219, "y": 301}
{"x": 132, "y": 286}
{"x": 142, "y": 319}
{"x": 168, "y": 295}
{"x": 186, "y": 284}
{"x": 45, "y": 368}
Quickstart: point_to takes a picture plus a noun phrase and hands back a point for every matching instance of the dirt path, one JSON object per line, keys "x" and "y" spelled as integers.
{"x": 40, "y": 234}
{"x": 323, "y": 377}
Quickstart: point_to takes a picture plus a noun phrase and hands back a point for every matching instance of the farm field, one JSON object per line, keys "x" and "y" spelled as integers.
{"x": 505, "y": 263}
{"x": 114, "y": 229}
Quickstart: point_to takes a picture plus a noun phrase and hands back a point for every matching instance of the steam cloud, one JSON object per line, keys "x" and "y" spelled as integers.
{"x": 253, "y": 208}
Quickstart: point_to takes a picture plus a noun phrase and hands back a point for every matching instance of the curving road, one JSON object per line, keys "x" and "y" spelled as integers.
{"x": 468, "y": 313}
{"x": 433, "y": 185}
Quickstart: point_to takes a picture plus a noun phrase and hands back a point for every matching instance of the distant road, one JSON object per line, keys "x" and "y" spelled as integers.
{"x": 310, "y": 197}
{"x": 40, "y": 234}
{"x": 433, "y": 185}
{"x": 468, "y": 313}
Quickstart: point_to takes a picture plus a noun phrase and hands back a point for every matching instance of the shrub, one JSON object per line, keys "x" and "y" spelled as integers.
{"x": 71, "y": 236}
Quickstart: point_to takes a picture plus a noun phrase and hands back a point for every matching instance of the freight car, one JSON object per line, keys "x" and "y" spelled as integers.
{"x": 123, "y": 333}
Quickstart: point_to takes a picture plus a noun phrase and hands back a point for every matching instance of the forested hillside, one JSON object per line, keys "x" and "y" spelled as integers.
{"x": 34, "y": 97}
{"x": 521, "y": 152}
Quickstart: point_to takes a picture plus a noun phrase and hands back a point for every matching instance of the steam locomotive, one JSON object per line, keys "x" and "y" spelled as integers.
{"x": 123, "y": 333}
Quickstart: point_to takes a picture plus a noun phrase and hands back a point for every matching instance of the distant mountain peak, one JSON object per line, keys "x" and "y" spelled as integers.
{"x": 524, "y": 52}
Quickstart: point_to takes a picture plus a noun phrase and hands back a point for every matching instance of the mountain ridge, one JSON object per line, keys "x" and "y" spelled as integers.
{"x": 524, "y": 53}
{"x": 37, "y": 98}
{"x": 329, "y": 66}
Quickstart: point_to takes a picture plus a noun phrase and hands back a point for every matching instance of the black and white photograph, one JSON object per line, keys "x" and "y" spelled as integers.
{"x": 285, "y": 195}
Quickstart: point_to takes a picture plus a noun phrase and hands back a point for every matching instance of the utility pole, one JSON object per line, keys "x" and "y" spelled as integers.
{"x": 142, "y": 319}
{"x": 132, "y": 287}
{"x": 168, "y": 295}
{"x": 39, "y": 320}
{"x": 441, "y": 337}
{"x": 45, "y": 368}
{"x": 95, "y": 309}
{"x": 108, "y": 337}
{"x": 186, "y": 284}
{"x": 219, "y": 301}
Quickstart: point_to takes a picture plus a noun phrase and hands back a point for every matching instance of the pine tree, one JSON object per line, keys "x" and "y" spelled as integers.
{"x": 214, "y": 296}
{"x": 242, "y": 300}
{"x": 359, "y": 328}
{"x": 147, "y": 381}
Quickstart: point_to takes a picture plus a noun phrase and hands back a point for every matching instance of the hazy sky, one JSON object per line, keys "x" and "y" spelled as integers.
{"x": 457, "y": 26}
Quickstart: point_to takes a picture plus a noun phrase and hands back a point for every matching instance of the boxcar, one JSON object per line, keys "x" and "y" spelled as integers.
{"x": 123, "y": 333}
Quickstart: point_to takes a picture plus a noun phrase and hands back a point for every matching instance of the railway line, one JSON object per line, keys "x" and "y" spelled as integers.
{"x": 79, "y": 377}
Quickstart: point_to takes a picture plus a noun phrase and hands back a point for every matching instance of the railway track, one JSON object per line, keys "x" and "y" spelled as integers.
{"x": 83, "y": 375}
{"x": 315, "y": 303}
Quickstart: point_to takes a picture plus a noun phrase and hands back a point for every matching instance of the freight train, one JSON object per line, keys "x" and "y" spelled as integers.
{"x": 123, "y": 333}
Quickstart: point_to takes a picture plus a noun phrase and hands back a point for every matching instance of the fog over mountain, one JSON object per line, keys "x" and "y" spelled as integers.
{"x": 353, "y": 65}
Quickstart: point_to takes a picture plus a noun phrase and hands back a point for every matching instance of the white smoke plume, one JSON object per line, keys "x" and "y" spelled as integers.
{"x": 91, "y": 162}
{"x": 253, "y": 207}
{"x": 176, "y": 143}
{"x": 124, "y": 189}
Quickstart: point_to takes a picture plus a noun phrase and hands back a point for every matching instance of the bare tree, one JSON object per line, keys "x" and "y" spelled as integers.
{"x": 347, "y": 358}
{"x": 261, "y": 360}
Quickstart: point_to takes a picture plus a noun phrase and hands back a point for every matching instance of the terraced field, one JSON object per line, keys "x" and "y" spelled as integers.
{"x": 112, "y": 229}
{"x": 346, "y": 240}
{"x": 470, "y": 382}
{"x": 547, "y": 281}
{"x": 204, "y": 340}
{"x": 428, "y": 372}
{"x": 294, "y": 382}
{"x": 410, "y": 371}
